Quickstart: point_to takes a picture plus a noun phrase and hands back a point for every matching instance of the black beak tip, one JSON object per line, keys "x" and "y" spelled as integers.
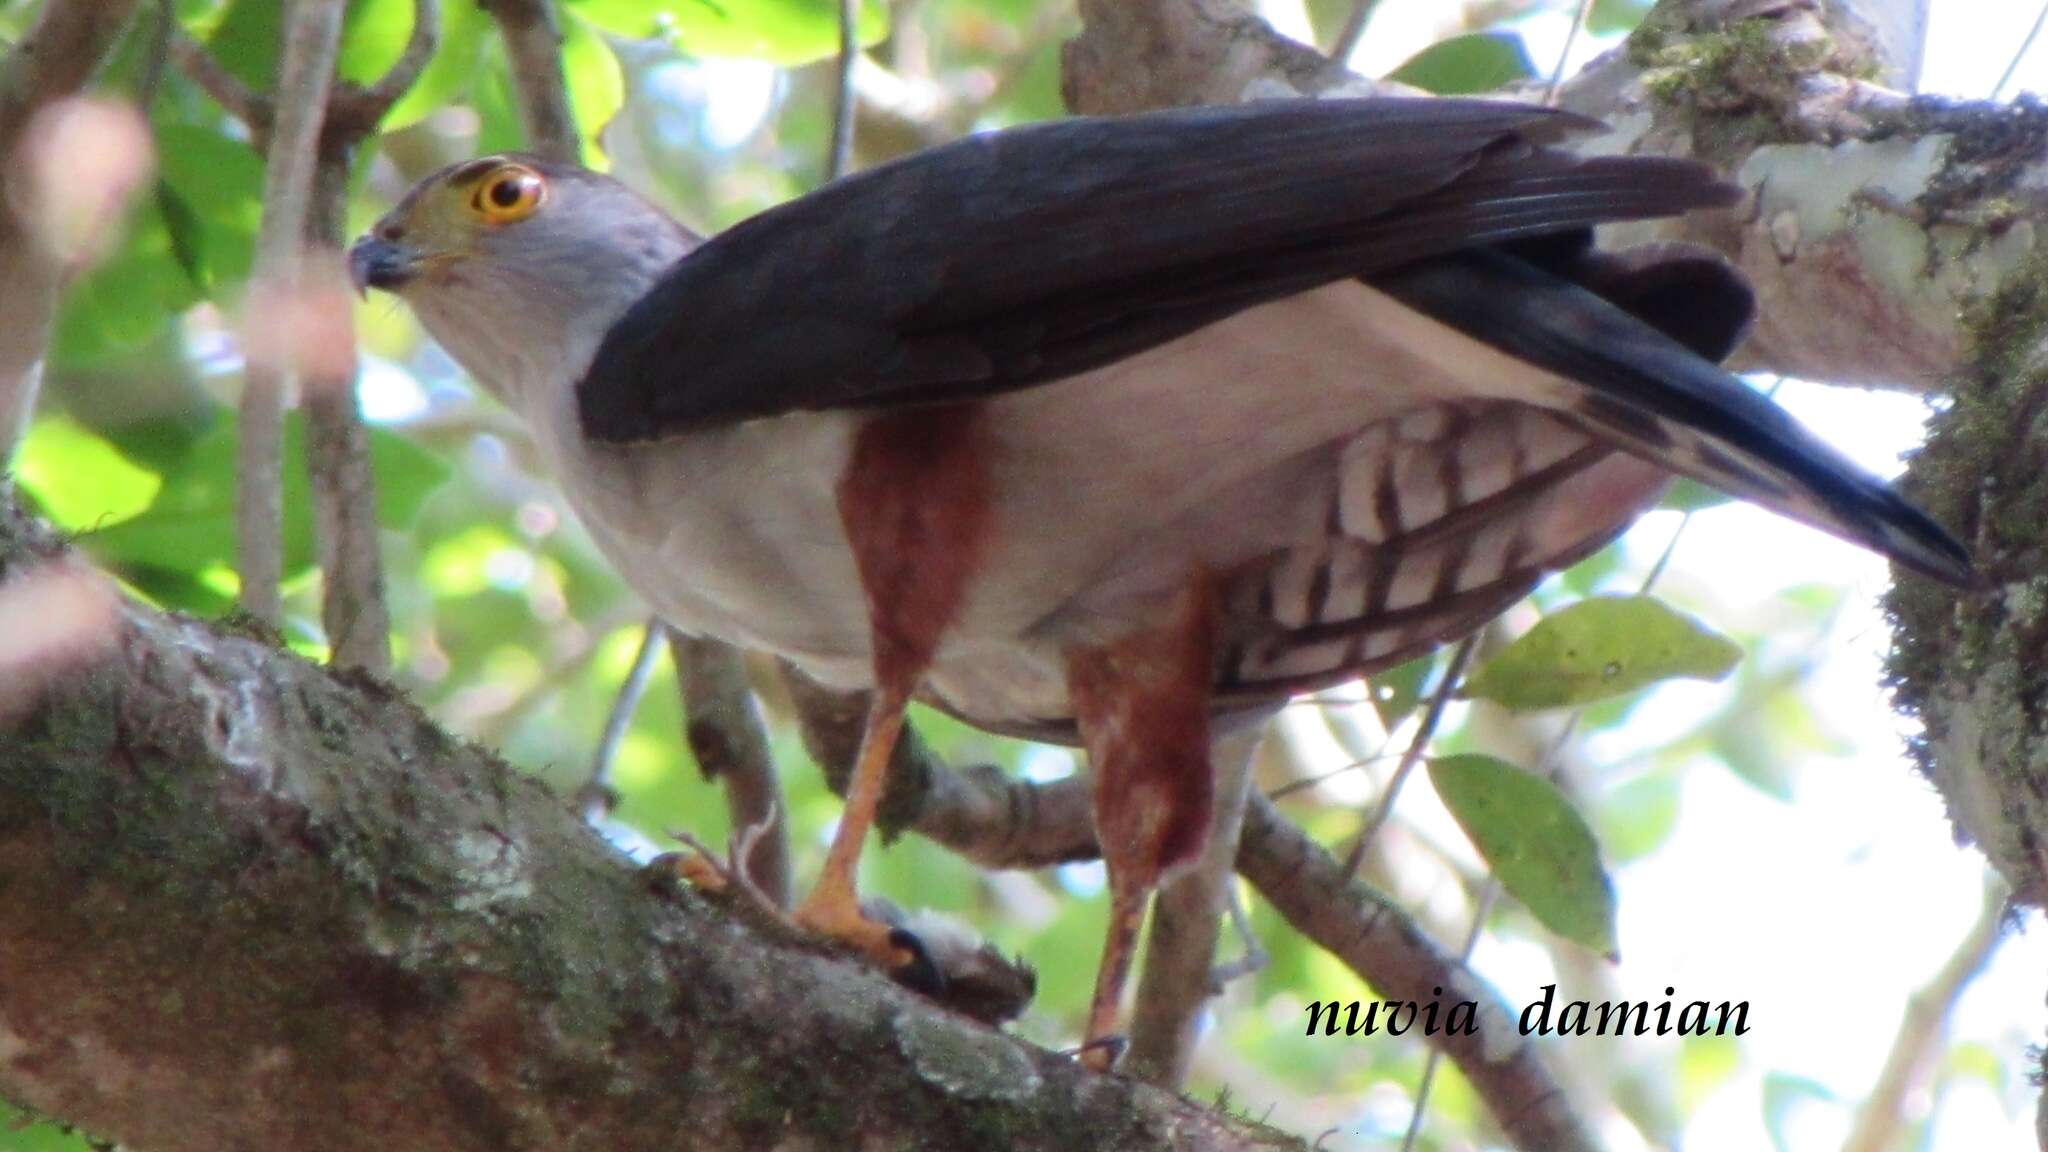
{"x": 379, "y": 263}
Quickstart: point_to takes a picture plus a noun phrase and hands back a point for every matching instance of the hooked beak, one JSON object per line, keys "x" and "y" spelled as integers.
{"x": 378, "y": 263}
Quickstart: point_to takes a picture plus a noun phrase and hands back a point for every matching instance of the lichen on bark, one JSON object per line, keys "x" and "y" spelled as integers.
{"x": 1969, "y": 667}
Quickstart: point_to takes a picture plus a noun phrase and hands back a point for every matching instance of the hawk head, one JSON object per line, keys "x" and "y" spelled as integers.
{"x": 516, "y": 265}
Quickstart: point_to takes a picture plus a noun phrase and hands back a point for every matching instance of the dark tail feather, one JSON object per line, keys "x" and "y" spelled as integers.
{"x": 1656, "y": 397}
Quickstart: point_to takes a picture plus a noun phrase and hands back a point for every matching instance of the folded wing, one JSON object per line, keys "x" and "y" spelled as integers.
{"x": 1014, "y": 258}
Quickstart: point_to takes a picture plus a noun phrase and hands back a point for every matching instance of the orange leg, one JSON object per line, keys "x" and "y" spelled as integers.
{"x": 914, "y": 503}
{"x": 1143, "y": 708}
{"x": 833, "y": 907}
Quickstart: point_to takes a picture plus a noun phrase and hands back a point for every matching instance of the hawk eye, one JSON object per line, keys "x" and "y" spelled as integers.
{"x": 507, "y": 194}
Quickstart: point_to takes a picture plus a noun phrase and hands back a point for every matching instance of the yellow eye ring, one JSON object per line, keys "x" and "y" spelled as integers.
{"x": 508, "y": 194}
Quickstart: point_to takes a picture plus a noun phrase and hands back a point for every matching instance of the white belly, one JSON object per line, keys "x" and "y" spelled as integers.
{"x": 735, "y": 534}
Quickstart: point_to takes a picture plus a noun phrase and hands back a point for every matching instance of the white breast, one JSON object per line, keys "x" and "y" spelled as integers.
{"x": 734, "y": 534}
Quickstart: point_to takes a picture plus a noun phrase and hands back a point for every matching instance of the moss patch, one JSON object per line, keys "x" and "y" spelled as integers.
{"x": 1988, "y": 157}
{"x": 1736, "y": 83}
{"x": 1971, "y": 668}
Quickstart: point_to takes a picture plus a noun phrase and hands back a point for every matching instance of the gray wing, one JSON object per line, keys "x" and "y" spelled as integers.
{"x": 1019, "y": 257}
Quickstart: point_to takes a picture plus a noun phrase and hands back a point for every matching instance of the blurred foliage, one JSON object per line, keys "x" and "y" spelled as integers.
{"x": 510, "y": 627}
{"x": 21, "y": 1132}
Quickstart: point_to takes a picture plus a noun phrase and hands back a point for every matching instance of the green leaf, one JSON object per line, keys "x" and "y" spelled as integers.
{"x": 190, "y": 526}
{"x": 1611, "y": 16}
{"x": 779, "y": 31}
{"x": 1689, "y": 495}
{"x": 219, "y": 182}
{"x": 126, "y": 301}
{"x": 24, "y": 1132}
{"x": 187, "y": 234}
{"x": 373, "y": 36}
{"x": 1536, "y": 843}
{"x": 454, "y": 67}
{"x": 1601, "y": 647}
{"x": 194, "y": 593}
{"x": 1585, "y": 577}
{"x": 1475, "y": 62}
{"x": 597, "y": 88}
{"x": 499, "y": 128}
{"x": 1396, "y": 691}
{"x": 78, "y": 479}
{"x": 249, "y": 35}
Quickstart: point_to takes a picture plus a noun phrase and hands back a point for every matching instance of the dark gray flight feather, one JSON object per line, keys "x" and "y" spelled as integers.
{"x": 1019, "y": 257}
{"x": 1660, "y": 399}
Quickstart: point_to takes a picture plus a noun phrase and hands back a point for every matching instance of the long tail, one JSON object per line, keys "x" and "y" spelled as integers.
{"x": 1657, "y": 398}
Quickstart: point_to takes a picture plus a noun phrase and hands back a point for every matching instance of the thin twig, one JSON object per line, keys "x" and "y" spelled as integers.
{"x": 353, "y": 610}
{"x": 305, "y": 76}
{"x": 1564, "y": 55}
{"x": 2026, "y": 45}
{"x": 840, "y": 160}
{"x": 1307, "y": 782}
{"x": 225, "y": 87}
{"x": 1255, "y": 956}
{"x": 1353, "y": 30}
{"x": 730, "y": 742}
{"x": 1917, "y": 1046}
{"x": 533, "y": 52}
{"x": 1434, "y": 1056}
{"x": 374, "y": 101}
{"x": 1382, "y": 943}
{"x": 492, "y": 724}
{"x": 595, "y": 798}
{"x": 55, "y": 59}
{"x": 159, "y": 55}
{"x": 1454, "y": 672}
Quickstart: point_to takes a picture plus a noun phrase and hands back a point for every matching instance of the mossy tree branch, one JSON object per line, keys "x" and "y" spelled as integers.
{"x": 254, "y": 903}
{"x": 1875, "y": 218}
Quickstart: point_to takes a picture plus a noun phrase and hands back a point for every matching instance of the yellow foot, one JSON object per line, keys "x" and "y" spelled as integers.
{"x": 696, "y": 868}
{"x": 701, "y": 868}
{"x": 837, "y": 916}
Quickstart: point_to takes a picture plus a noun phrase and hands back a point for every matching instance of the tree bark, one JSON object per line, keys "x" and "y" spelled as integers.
{"x": 53, "y": 61}
{"x": 252, "y": 903}
{"x": 1875, "y": 219}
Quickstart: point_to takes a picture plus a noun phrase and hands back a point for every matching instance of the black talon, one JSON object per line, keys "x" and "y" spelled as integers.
{"x": 1114, "y": 1045}
{"x": 922, "y": 973}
